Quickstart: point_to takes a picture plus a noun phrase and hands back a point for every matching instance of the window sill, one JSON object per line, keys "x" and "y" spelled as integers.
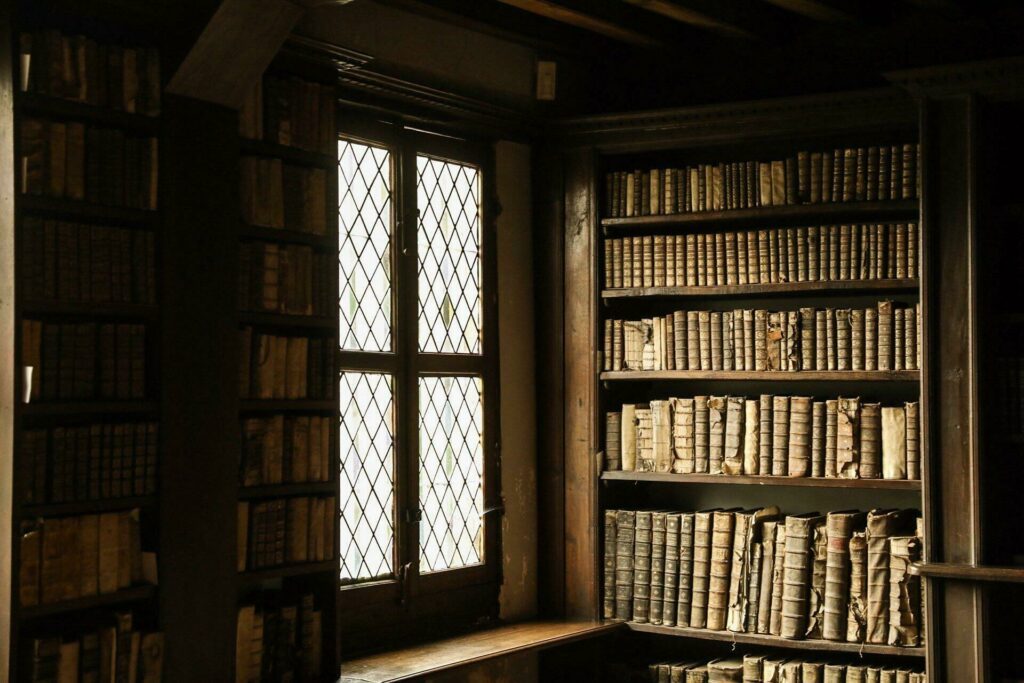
{"x": 444, "y": 655}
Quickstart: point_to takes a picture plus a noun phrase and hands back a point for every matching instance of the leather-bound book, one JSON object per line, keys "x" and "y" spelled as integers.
{"x": 732, "y": 461}
{"x": 870, "y": 440}
{"x": 818, "y": 439}
{"x": 700, "y": 432}
{"x": 685, "y": 594}
{"x": 683, "y": 434}
{"x": 613, "y": 441}
{"x": 751, "y": 437}
{"x": 799, "y": 450}
{"x": 766, "y": 577}
{"x": 765, "y": 437}
{"x": 840, "y": 527}
{"x": 904, "y": 592}
{"x": 657, "y": 582}
{"x": 625, "y": 535}
{"x": 797, "y": 573}
{"x": 807, "y": 349}
{"x": 692, "y": 341}
{"x": 913, "y": 440}
{"x": 760, "y": 340}
{"x": 723, "y": 522}
{"x": 816, "y": 597}
{"x": 778, "y": 580}
{"x": 893, "y": 424}
{"x": 610, "y": 544}
{"x": 702, "y": 530}
{"x": 725, "y": 671}
{"x": 881, "y": 525}
{"x": 754, "y": 586}
{"x": 670, "y": 579}
{"x": 780, "y": 435}
{"x": 642, "y": 567}
{"x": 847, "y": 438}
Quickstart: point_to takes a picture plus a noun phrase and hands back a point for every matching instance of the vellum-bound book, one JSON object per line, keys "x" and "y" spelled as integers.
{"x": 778, "y": 580}
{"x": 847, "y": 452}
{"x": 682, "y": 435}
{"x": 881, "y": 525}
{"x": 797, "y": 573}
{"x": 839, "y": 528}
{"x": 834, "y": 673}
{"x": 700, "y": 433}
{"x": 661, "y": 436}
{"x": 818, "y": 439}
{"x": 725, "y": 671}
{"x": 610, "y": 543}
{"x": 765, "y": 438}
{"x": 812, "y": 672}
{"x": 857, "y": 606}
{"x": 753, "y": 668}
{"x": 754, "y": 584}
{"x": 831, "y": 435}
{"x": 732, "y": 462}
{"x": 746, "y": 531}
{"x": 702, "y": 522}
{"x": 751, "y": 436}
{"x": 644, "y": 439}
{"x": 716, "y": 433}
{"x": 799, "y": 460}
{"x": 904, "y": 592}
{"x": 766, "y": 579}
{"x": 913, "y": 440}
{"x": 816, "y": 597}
{"x": 613, "y": 441}
{"x": 772, "y": 670}
{"x": 894, "y": 443}
{"x": 870, "y": 440}
{"x": 807, "y": 351}
{"x": 628, "y": 431}
{"x": 791, "y": 672}
{"x": 780, "y": 435}
{"x": 723, "y": 523}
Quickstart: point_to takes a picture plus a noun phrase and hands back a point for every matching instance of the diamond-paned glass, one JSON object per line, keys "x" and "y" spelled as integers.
{"x": 366, "y": 491}
{"x": 448, "y": 199}
{"x": 364, "y": 246}
{"x": 451, "y": 472}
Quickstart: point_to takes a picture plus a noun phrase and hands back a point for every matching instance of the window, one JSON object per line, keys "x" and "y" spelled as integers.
{"x": 418, "y": 381}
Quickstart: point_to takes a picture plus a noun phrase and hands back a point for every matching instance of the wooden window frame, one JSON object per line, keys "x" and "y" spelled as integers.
{"x": 426, "y": 601}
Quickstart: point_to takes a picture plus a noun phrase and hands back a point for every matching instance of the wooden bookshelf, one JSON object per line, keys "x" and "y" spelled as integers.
{"x": 746, "y": 480}
{"x": 312, "y": 488}
{"x": 967, "y": 572}
{"x": 778, "y": 642}
{"x": 287, "y": 571}
{"x": 86, "y": 507}
{"x": 85, "y": 211}
{"x": 88, "y": 310}
{"x": 285, "y": 405}
{"x": 89, "y": 408}
{"x": 256, "y": 232}
{"x": 312, "y": 322}
{"x": 121, "y": 597}
{"x": 287, "y": 154}
{"x": 777, "y": 216}
{"x": 764, "y": 375}
{"x": 818, "y": 288}
{"x": 34, "y": 104}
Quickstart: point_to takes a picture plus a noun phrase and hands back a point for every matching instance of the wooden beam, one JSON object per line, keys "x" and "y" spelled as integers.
{"x": 817, "y": 10}
{"x": 585, "y": 20}
{"x": 7, "y": 331}
{"x": 234, "y": 49}
{"x": 692, "y": 16}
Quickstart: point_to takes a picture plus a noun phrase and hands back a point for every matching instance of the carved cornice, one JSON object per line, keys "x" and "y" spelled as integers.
{"x": 756, "y": 118}
{"x": 996, "y": 79}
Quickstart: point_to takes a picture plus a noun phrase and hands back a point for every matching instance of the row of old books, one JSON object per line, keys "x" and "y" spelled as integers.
{"x": 276, "y": 366}
{"x": 75, "y": 262}
{"x": 65, "y": 558}
{"x": 285, "y": 531}
{"x": 114, "y": 651}
{"x": 280, "y": 449}
{"x": 279, "y": 638}
{"x": 1009, "y": 395}
{"x": 89, "y": 462}
{"x": 840, "y": 576}
{"x": 284, "y": 196}
{"x": 284, "y": 279}
{"x": 883, "y": 172}
{"x": 83, "y": 162}
{"x": 290, "y": 111}
{"x": 85, "y": 360}
{"x": 806, "y": 254}
{"x": 885, "y": 337}
{"x": 757, "y": 668}
{"x": 79, "y": 68}
{"x": 788, "y": 436}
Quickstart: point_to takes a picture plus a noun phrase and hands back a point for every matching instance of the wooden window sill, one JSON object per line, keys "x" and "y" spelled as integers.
{"x": 444, "y": 655}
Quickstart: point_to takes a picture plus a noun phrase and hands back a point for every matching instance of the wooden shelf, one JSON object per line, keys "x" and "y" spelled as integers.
{"x": 967, "y": 572}
{"x": 747, "y": 480}
{"x": 86, "y": 507}
{"x": 317, "y": 322}
{"x": 79, "y": 210}
{"x": 292, "y": 155}
{"x": 775, "y": 215}
{"x": 773, "y": 289}
{"x": 34, "y": 104}
{"x": 765, "y": 375}
{"x": 778, "y": 642}
{"x": 416, "y": 662}
{"x": 280, "y": 490}
{"x": 98, "y": 407}
{"x": 255, "y": 232}
{"x": 255, "y": 575}
{"x": 286, "y": 405}
{"x": 133, "y": 594}
{"x": 88, "y": 309}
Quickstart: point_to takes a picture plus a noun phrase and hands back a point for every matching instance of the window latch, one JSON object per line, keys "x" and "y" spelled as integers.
{"x": 403, "y": 583}
{"x": 413, "y": 515}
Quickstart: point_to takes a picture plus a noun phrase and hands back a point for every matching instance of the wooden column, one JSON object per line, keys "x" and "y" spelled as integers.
{"x": 7, "y": 328}
{"x": 582, "y": 555}
{"x": 950, "y": 311}
{"x": 199, "y": 393}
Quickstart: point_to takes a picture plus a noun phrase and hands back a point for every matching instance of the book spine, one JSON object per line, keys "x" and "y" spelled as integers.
{"x": 766, "y": 577}
{"x": 893, "y": 426}
{"x": 856, "y": 619}
{"x": 799, "y": 456}
{"x": 732, "y": 461}
{"x": 904, "y": 592}
{"x": 613, "y": 441}
{"x": 847, "y": 453}
{"x": 753, "y": 583}
{"x": 837, "y": 574}
{"x": 686, "y": 540}
{"x": 831, "y": 436}
{"x": 610, "y": 553}
{"x": 870, "y": 440}
{"x": 885, "y": 335}
{"x": 765, "y": 437}
{"x": 716, "y": 433}
{"x": 625, "y": 535}
{"x": 751, "y": 437}
{"x": 796, "y": 577}
{"x": 820, "y": 339}
{"x": 657, "y": 586}
{"x": 700, "y": 432}
{"x": 879, "y": 528}
{"x": 816, "y": 597}
{"x": 701, "y": 568}
{"x": 670, "y": 578}
{"x": 721, "y": 563}
{"x": 913, "y": 441}
{"x": 642, "y": 567}
{"x": 683, "y": 435}
{"x": 807, "y": 344}
{"x": 818, "y": 439}
{"x": 780, "y": 435}
{"x": 778, "y": 581}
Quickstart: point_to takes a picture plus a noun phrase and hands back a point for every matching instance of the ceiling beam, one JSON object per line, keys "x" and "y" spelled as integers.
{"x": 818, "y": 10}
{"x": 587, "y": 20}
{"x": 694, "y": 17}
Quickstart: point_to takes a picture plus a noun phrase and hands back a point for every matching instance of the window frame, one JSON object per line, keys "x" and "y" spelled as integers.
{"x": 408, "y": 594}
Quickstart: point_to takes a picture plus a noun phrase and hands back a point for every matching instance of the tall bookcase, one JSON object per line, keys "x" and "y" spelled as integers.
{"x": 288, "y": 288}
{"x": 586, "y": 390}
{"x": 87, "y": 312}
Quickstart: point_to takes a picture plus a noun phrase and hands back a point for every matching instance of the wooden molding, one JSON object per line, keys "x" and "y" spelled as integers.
{"x": 693, "y": 17}
{"x": 995, "y": 79}
{"x": 8, "y": 333}
{"x": 589, "y": 22}
{"x": 234, "y": 49}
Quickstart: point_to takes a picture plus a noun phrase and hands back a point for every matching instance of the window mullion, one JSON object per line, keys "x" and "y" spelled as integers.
{"x": 407, "y": 449}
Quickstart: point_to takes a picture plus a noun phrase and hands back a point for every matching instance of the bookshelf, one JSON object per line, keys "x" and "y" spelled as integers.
{"x": 264, "y": 416}
{"x": 90, "y": 203}
{"x": 589, "y": 388}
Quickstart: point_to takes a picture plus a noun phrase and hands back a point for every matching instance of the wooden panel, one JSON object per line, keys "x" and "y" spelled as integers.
{"x": 199, "y": 369}
{"x": 7, "y": 329}
{"x": 416, "y": 662}
{"x": 583, "y": 20}
{"x": 778, "y": 289}
{"x": 582, "y": 554}
{"x": 950, "y": 439}
{"x": 765, "y": 375}
{"x": 749, "y": 480}
{"x": 549, "y": 304}
{"x": 871, "y": 211}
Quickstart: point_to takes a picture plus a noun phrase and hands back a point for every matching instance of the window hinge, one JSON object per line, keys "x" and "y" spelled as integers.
{"x": 413, "y": 516}
{"x": 403, "y": 583}
{"x": 499, "y": 507}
